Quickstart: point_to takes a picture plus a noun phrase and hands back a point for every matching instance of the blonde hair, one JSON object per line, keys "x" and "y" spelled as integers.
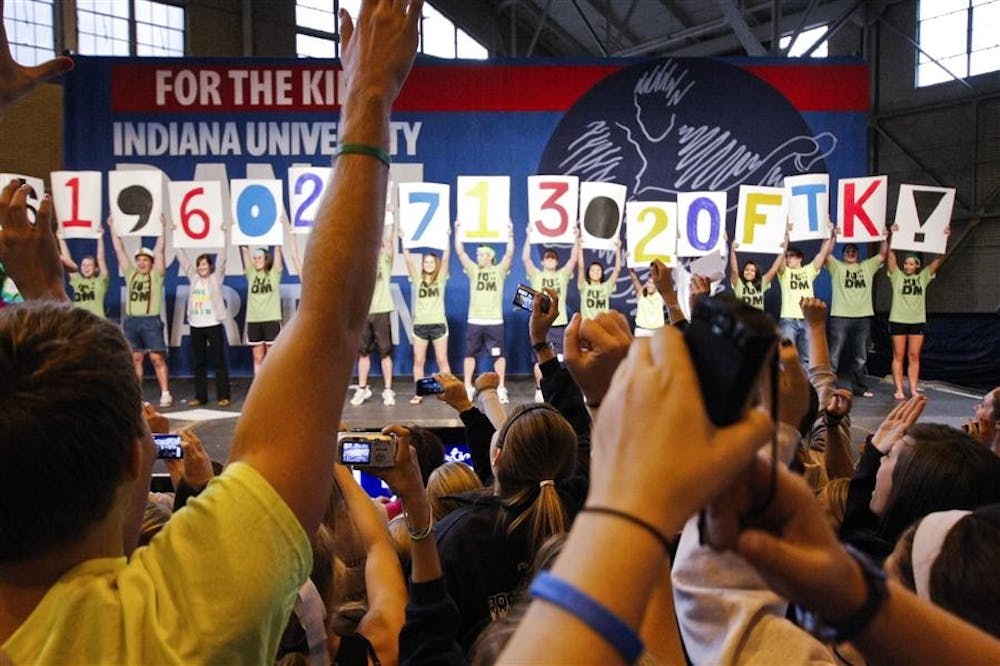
{"x": 834, "y": 498}
{"x": 449, "y": 479}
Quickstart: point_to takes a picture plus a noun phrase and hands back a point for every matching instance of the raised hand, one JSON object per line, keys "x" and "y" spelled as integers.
{"x": 384, "y": 39}
{"x": 487, "y": 380}
{"x": 545, "y": 312}
{"x": 30, "y": 252}
{"x": 593, "y": 350}
{"x": 898, "y": 420}
{"x": 813, "y": 310}
{"x": 454, "y": 392}
{"x": 16, "y": 81}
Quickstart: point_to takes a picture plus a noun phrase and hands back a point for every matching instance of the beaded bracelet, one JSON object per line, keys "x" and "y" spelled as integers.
{"x": 363, "y": 149}
{"x": 592, "y": 613}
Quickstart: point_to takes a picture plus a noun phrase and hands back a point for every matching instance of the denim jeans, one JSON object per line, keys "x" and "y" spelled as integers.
{"x": 795, "y": 330}
{"x": 852, "y": 333}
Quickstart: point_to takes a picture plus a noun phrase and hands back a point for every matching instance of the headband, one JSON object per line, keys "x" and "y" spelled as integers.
{"x": 927, "y": 542}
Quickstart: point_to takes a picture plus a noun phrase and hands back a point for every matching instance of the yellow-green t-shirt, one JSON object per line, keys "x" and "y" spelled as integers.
{"x": 263, "y": 294}
{"x": 852, "y": 287}
{"x": 216, "y": 586}
{"x": 596, "y": 298}
{"x": 428, "y": 301}
{"x": 557, "y": 281}
{"x": 749, "y": 294}
{"x": 796, "y": 284}
{"x": 649, "y": 311}
{"x": 88, "y": 293}
{"x": 382, "y": 296}
{"x": 145, "y": 293}
{"x": 486, "y": 294}
{"x": 909, "y": 296}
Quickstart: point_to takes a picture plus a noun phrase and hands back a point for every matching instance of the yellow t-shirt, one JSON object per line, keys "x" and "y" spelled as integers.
{"x": 217, "y": 585}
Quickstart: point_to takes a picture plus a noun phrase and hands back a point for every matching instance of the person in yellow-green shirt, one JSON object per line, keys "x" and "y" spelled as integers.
{"x": 551, "y": 276}
{"x": 430, "y": 323}
{"x": 263, "y": 271}
{"x": 484, "y": 332}
{"x": 748, "y": 283}
{"x": 595, "y": 290}
{"x": 796, "y": 279}
{"x": 648, "y": 305}
{"x": 141, "y": 319}
{"x": 376, "y": 336}
{"x": 908, "y": 314}
{"x": 89, "y": 279}
{"x": 219, "y": 583}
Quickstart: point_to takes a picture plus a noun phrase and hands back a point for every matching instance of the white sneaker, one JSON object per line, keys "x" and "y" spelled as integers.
{"x": 471, "y": 390}
{"x": 388, "y": 397}
{"x": 538, "y": 395}
{"x": 166, "y": 400}
{"x": 502, "y": 395}
{"x": 360, "y": 395}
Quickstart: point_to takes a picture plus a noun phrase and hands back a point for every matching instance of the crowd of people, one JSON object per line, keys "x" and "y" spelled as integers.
{"x": 611, "y": 523}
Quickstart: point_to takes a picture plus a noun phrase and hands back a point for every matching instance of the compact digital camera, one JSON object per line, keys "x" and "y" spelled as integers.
{"x": 429, "y": 386}
{"x": 730, "y": 343}
{"x": 524, "y": 298}
{"x": 366, "y": 449}
{"x": 168, "y": 446}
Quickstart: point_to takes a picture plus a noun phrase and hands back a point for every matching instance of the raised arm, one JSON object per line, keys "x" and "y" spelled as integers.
{"x": 223, "y": 255}
{"x": 183, "y": 260}
{"x": 824, "y": 251}
{"x": 160, "y": 255}
{"x": 277, "y": 265}
{"x": 245, "y": 257}
{"x": 66, "y": 258}
{"x": 636, "y": 284}
{"x": 508, "y": 254}
{"x": 773, "y": 270}
{"x": 936, "y": 262}
{"x": 296, "y": 260}
{"x": 102, "y": 260}
{"x": 412, "y": 268}
{"x": 468, "y": 264}
{"x": 529, "y": 266}
{"x": 892, "y": 263}
{"x": 116, "y": 243}
{"x": 616, "y": 271}
{"x": 446, "y": 259}
{"x": 574, "y": 255}
{"x": 581, "y": 270}
{"x": 16, "y": 81}
{"x": 883, "y": 249}
{"x": 734, "y": 265}
{"x": 338, "y": 277}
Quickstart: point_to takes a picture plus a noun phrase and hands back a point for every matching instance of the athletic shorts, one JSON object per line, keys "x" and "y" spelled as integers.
{"x": 480, "y": 338}
{"x": 555, "y": 339}
{"x": 145, "y": 334}
{"x": 645, "y": 332}
{"x": 430, "y": 332}
{"x": 895, "y": 328}
{"x": 377, "y": 335}
{"x": 262, "y": 332}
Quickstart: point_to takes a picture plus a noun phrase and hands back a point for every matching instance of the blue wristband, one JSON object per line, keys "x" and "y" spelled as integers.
{"x": 605, "y": 623}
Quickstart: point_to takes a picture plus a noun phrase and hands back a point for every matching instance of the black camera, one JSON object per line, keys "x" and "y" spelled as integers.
{"x": 168, "y": 446}
{"x": 366, "y": 449}
{"x": 524, "y": 298}
{"x": 730, "y": 343}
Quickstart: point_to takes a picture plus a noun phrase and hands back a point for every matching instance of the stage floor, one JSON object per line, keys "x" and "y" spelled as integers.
{"x": 947, "y": 404}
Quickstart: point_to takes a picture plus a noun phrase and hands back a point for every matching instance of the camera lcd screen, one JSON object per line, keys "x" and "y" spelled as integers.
{"x": 168, "y": 446}
{"x": 356, "y": 453}
{"x": 524, "y": 299}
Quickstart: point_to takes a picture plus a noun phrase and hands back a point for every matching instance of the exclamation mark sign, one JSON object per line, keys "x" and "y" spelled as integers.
{"x": 927, "y": 201}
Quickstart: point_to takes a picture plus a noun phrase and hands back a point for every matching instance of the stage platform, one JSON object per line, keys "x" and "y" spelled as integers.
{"x": 947, "y": 404}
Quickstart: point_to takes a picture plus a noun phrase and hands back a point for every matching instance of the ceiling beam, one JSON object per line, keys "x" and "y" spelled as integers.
{"x": 741, "y": 29}
{"x": 678, "y": 12}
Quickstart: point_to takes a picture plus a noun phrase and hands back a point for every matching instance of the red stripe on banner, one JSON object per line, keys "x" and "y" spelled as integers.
{"x": 174, "y": 88}
{"x": 843, "y": 87}
{"x": 499, "y": 87}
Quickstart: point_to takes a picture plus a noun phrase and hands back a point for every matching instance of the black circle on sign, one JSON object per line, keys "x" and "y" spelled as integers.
{"x": 601, "y": 217}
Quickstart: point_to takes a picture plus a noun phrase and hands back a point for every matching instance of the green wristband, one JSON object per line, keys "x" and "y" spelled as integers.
{"x": 363, "y": 149}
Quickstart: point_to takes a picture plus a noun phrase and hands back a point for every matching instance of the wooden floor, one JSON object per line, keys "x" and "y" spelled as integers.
{"x": 215, "y": 425}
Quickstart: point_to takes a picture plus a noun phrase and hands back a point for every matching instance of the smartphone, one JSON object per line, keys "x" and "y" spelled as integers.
{"x": 366, "y": 449}
{"x": 730, "y": 344}
{"x": 524, "y": 298}
{"x": 168, "y": 446}
{"x": 429, "y": 386}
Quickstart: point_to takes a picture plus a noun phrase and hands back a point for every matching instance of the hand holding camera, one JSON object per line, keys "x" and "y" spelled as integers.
{"x": 194, "y": 467}
{"x": 543, "y": 314}
{"x": 366, "y": 449}
{"x": 453, "y": 392}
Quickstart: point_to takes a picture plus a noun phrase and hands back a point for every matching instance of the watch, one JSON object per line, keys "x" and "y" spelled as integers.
{"x": 849, "y": 628}
{"x": 540, "y": 346}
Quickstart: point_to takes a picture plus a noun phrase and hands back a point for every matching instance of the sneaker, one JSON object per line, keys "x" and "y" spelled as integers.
{"x": 388, "y": 397}
{"x": 471, "y": 390}
{"x": 867, "y": 394}
{"x": 166, "y": 400}
{"x": 223, "y": 402}
{"x": 195, "y": 402}
{"x": 416, "y": 400}
{"x": 538, "y": 395}
{"x": 361, "y": 394}
{"x": 502, "y": 395}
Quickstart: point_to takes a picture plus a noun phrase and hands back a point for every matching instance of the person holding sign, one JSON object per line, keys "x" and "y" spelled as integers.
{"x": 485, "y": 329}
{"x": 88, "y": 280}
{"x": 851, "y": 311}
{"x": 554, "y": 278}
{"x": 908, "y": 314}
{"x": 263, "y": 300}
{"x": 796, "y": 282}
{"x": 748, "y": 284}
{"x": 648, "y": 307}
{"x": 377, "y": 333}
{"x": 595, "y": 290}
{"x": 143, "y": 304}
{"x": 207, "y": 314}
{"x": 430, "y": 325}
